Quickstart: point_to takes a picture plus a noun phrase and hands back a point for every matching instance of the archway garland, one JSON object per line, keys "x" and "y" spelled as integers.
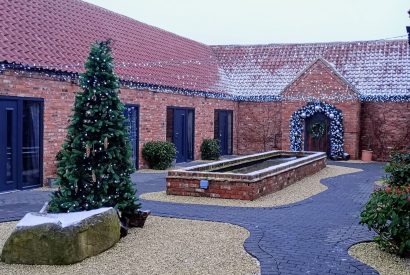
{"x": 336, "y": 127}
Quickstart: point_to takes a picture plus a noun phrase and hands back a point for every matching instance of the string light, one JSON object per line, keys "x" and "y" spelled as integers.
{"x": 336, "y": 127}
{"x": 226, "y": 85}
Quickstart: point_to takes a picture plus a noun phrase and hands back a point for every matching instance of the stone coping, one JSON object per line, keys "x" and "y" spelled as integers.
{"x": 201, "y": 171}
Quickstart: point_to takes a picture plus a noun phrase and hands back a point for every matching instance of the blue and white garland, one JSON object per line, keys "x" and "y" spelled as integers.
{"x": 336, "y": 127}
{"x": 62, "y": 75}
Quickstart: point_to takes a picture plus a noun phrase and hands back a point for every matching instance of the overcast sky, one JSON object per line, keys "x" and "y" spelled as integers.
{"x": 269, "y": 21}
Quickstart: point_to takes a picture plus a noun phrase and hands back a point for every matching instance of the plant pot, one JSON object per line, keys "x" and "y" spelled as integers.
{"x": 367, "y": 155}
{"x": 52, "y": 182}
{"x": 138, "y": 218}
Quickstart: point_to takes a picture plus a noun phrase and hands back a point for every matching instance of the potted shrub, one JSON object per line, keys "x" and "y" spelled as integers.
{"x": 210, "y": 149}
{"x": 367, "y": 154}
{"x": 159, "y": 154}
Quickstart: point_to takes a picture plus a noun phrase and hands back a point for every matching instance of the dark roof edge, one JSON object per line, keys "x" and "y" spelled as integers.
{"x": 73, "y": 77}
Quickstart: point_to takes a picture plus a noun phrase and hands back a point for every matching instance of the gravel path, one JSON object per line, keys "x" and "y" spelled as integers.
{"x": 163, "y": 246}
{"x": 296, "y": 192}
{"x": 383, "y": 262}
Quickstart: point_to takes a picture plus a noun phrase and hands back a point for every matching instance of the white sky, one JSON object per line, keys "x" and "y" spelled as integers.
{"x": 269, "y": 21}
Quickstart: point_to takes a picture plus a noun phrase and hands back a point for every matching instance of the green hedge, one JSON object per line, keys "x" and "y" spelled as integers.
{"x": 388, "y": 211}
{"x": 159, "y": 154}
{"x": 210, "y": 149}
{"x": 398, "y": 169}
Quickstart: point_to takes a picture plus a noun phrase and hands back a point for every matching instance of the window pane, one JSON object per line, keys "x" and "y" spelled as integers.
{"x": 131, "y": 115}
{"x": 31, "y": 143}
{"x": 229, "y": 130}
{"x": 9, "y": 145}
{"x": 216, "y": 124}
{"x": 190, "y": 134}
{"x": 170, "y": 124}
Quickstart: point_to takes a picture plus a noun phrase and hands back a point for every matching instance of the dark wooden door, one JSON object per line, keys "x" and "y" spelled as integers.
{"x": 317, "y": 133}
{"x": 8, "y": 145}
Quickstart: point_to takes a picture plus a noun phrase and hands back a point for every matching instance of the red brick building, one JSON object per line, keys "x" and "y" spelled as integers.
{"x": 253, "y": 98}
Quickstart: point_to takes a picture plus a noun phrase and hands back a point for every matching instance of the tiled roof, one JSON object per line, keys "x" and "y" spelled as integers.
{"x": 58, "y": 33}
{"x": 371, "y": 67}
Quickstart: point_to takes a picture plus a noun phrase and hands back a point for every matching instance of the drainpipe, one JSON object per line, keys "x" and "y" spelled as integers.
{"x": 408, "y": 27}
{"x": 408, "y": 33}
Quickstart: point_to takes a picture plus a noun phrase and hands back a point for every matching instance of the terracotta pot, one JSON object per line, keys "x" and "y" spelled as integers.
{"x": 367, "y": 155}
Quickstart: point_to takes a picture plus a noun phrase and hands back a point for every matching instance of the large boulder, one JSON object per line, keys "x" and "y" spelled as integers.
{"x": 59, "y": 239}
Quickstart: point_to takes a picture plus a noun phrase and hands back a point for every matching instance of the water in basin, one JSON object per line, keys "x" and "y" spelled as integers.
{"x": 252, "y": 166}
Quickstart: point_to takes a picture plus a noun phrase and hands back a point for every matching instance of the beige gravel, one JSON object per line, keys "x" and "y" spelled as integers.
{"x": 163, "y": 246}
{"x": 385, "y": 263}
{"x": 296, "y": 192}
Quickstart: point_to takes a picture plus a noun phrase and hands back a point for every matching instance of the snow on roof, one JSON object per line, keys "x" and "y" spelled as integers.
{"x": 371, "y": 67}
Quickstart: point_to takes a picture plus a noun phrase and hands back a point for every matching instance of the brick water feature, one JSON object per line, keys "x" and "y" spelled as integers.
{"x": 245, "y": 178}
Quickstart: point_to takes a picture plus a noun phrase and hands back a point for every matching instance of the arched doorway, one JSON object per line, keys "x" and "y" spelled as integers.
{"x": 322, "y": 117}
{"x": 317, "y": 135}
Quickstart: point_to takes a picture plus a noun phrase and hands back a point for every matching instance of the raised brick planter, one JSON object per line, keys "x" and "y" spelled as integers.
{"x": 186, "y": 182}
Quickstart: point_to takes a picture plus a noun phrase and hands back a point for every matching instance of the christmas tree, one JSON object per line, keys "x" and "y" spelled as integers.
{"x": 94, "y": 164}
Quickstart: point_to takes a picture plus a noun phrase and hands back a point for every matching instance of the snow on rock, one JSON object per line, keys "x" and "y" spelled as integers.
{"x": 62, "y": 219}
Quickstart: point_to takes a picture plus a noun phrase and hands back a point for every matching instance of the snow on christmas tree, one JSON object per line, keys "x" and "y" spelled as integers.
{"x": 94, "y": 164}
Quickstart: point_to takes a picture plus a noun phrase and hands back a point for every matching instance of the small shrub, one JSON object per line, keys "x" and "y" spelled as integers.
{"x": 159, "y": 154}
{"x": 210, "y": 149}
{"x": 388, "y": 211}
{"x": 398, "y": 169}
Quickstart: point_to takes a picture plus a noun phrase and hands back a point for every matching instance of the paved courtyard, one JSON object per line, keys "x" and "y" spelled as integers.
{"x": 309, "y": 237}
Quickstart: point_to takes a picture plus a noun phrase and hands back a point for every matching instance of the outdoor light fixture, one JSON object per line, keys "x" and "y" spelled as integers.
{"x": 203, "y": 184}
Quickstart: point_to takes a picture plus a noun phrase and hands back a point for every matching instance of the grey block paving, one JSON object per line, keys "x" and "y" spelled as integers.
{"x": 309, "y": 237}
{"x": 15, "y": 205}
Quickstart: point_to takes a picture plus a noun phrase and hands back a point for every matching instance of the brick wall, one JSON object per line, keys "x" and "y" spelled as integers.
{"x": 153, "y": 115}
{"x": 259, "y": 126}
{"x": 320, "y": 81}
{"x": 59, "y": 97}
{"x": 234, "y": 186}
{"x": 386, "y": 125}
{"x": 252, "y": 120}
